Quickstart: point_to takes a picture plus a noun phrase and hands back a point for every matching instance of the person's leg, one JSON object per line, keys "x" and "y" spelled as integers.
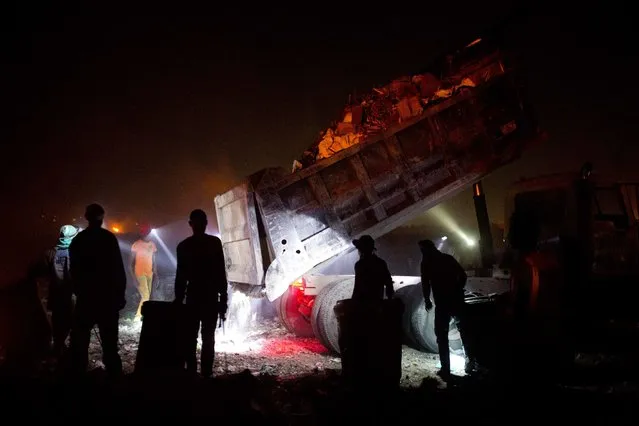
{"x": 208, "y": 344}
{"x": 108, "y": 325}
{"x": 62, "y": 320}
{"x": 80, "y": 337}
{"x": 143, "y": 289}
{"x": 149, "y": 282}
{"x": 442, "y": 320}
{"x": 460, "y": 320}
{"x": 192, "y": 323}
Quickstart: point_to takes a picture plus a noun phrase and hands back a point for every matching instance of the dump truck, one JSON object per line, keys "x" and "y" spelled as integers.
{"x": 397, "y": 152}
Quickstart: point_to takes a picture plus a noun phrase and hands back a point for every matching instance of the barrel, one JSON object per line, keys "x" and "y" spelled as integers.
{"x": 370, "y": 341}
{"x": 161, "y": 338}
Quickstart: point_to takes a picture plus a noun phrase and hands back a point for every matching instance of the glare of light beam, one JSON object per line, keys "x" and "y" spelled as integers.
{"x": 457, "y": 363}
{"x": 444, "y": 238}
{"x": 155, "y": 233}
{"x": 445, "y": 219}
{"x": 115, "y": 229}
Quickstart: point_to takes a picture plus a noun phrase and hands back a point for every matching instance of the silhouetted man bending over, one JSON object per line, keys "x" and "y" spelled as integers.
{"x": 99, "y": 282}
{"x": 201, "y": 277}
{"x": 442, "y": 274}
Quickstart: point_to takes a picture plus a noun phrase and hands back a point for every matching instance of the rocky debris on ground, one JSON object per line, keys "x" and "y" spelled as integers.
{"x": 268, "y": 349}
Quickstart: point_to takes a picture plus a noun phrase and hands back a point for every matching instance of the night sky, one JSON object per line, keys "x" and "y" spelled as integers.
{"x": 153, "y": 115}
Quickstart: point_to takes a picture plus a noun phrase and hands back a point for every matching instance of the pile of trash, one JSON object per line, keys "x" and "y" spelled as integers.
{"x": 398, "y": 102}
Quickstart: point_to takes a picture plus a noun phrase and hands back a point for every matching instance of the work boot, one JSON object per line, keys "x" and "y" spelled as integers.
{"x": 444, "y": 374}
{"x": 471, "y": 366}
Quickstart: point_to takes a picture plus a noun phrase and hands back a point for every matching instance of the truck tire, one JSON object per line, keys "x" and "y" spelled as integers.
{"x": 315, "y": 313}
{"x": 323, "y": 318}
{"x": 328, "y": 319}
{"x": 423, "y": 327}
{"x": 290, "y": 316}
{"x": 406, "y": 295}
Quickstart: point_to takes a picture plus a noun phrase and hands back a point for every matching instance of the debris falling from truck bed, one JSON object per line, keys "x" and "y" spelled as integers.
{"x": 403, "y": 99}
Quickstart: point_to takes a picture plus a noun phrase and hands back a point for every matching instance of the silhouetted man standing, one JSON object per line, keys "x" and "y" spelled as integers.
{"x": 99, "y": 281}
{"x": 201, "y": 277}
{"x": 144, "y": 265}
{"x": 442, "y": 274}
{"x": 371, "y": 273}
{"x": 60, "y": 300}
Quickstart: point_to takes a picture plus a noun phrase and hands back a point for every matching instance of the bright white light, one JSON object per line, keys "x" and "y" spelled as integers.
{"x": 457, "y": 364}
{"x": 166, "y": 249}
{"x": 440, "y": 214}
{"x": 153, "y": 231}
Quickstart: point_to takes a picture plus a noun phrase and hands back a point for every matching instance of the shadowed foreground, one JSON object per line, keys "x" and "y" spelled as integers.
{"x": 321, "y": 398}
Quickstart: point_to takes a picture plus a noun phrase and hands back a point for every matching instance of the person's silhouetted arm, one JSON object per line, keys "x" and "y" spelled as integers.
{"x": 180, "y": 278}
{"x": 119, "y": 273}
{"x": 74, "y": 267}
{"x": 357, "y": 287}
{"x": 223, "y": 283}
{"x": 426, "y": 286}
{"x": 388, "y": 282}
{"x": 460, "y": 273}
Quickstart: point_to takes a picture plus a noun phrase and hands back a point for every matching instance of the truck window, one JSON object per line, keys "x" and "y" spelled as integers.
{"x": 608, "y": 203}
{"x": 548, "y": 206}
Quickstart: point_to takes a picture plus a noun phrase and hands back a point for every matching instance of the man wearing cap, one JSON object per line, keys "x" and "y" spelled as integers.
{"x": 372, "y": 277}
{"x": 60, "y": 300}
{"x": 144, "y": 268}
{"x": 99, "y": 283}
{"x": 201, "y": 278}
{"x": 442, "y": 274}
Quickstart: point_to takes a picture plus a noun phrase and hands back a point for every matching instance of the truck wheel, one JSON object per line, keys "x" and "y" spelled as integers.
{"x": 343, "y": 290}
{"x": 406, "y": 295}
{"x": 423, "y": 326}
{"x": 315, "y": 314}
{"x": 287, "y": 308}
{"x": 323, "y": 319}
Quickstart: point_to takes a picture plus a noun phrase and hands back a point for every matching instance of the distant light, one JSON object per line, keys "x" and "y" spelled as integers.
{"x": 153, "y": 231}
{"x": 470, "y": 242}
{"x": 474, "y": 42}
{"x": 115, "y": 229}
{"x": 444, "y": 238}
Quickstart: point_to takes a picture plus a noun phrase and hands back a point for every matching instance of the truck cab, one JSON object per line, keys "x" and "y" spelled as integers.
{"x": 587, "y": 248}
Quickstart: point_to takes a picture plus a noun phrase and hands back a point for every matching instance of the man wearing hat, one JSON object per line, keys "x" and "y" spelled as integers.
{"x": 371, "y": 273}
{"x": 60, "y": 300}
{"x": 144, "y": 265}
{"x": 442, "y": 274}
{"x": 99, "y": 283}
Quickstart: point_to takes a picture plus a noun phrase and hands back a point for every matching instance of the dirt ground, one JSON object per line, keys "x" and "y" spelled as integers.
{"x": 266, "y": 376}
{"x": 268, "y": 348}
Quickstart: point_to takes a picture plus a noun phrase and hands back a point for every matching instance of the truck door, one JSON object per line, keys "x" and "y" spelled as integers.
{"x": 238, "y": 226}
